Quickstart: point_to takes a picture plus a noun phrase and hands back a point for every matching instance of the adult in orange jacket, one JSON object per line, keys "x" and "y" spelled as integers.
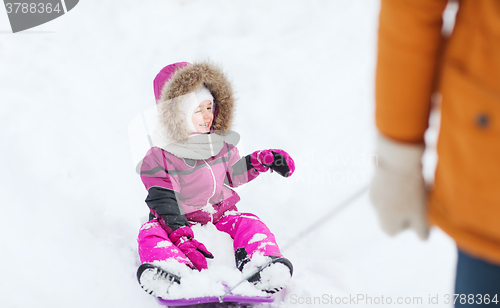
{"x": 415, "y": 61}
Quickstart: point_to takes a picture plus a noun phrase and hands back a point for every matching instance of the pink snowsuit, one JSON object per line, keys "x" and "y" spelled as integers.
{"x": 195, "y": 184}
{"x": 183, "y": 191}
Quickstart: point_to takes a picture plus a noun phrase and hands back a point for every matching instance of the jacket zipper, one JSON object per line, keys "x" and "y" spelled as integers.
{"x": 213, "y": 193}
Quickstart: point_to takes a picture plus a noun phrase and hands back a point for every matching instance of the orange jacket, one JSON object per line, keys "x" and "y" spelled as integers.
{"x": 414, "y": 61}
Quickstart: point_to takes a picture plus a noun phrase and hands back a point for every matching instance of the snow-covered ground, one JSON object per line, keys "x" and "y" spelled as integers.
{"x": 71, "y": 203}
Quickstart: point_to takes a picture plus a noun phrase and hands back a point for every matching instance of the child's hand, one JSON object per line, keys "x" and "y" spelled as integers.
{"x": 194, "y": 250}
{"x": 277, "y": 160}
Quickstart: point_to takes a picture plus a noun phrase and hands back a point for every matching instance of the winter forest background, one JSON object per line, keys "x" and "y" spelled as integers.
{"x": 303, "y": 71}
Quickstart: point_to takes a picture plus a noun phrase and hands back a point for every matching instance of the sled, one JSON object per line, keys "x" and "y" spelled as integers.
{"x": 238, "y": 300}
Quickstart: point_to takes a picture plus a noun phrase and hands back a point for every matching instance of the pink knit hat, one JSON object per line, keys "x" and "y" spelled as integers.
{"x": 165, "y": 75}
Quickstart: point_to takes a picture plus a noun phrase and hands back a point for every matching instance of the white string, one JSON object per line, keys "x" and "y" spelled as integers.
{"x": 315, "y": 225}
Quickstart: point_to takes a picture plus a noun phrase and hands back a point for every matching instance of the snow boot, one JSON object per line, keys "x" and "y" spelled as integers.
{"x": 274, "y": 277}
{"x": 155, "y": 280}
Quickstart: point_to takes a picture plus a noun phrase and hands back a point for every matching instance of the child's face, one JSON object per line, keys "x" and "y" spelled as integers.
{"x": 202, "y": 117}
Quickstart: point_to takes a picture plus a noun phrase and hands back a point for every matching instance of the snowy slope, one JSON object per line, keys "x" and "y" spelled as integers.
{"x": 71, "y": 203}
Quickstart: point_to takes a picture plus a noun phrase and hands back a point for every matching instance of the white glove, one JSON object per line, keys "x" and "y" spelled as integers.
{"x": 398, "y": 190}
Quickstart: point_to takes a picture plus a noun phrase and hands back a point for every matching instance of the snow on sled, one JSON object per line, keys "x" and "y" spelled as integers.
{"x": 203, "y": 289}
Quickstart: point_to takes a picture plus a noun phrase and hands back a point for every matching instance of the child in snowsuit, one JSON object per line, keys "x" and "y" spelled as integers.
{"x": 190, "y": 177}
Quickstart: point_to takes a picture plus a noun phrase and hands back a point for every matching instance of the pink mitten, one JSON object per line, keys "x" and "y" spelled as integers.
{"x": 194, "y": 250}
{"x": 277, "y": 160}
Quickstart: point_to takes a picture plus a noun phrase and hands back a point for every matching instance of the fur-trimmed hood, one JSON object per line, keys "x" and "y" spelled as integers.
{"x": 179, "y": 80}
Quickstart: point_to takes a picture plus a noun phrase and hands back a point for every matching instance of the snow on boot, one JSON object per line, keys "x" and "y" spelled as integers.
{"x": 275, "y": 276}
{"x": 155, "y": 280}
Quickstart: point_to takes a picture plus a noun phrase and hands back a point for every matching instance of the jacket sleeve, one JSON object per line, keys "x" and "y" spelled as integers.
{"x": 161, "y": 181}
{"x": 240, "y": 169}
{"x": 409, "y": 45}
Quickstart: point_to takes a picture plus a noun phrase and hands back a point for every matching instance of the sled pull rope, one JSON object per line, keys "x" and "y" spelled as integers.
{"x": 318, "y": 223}
{"x": 334, "y": 212}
